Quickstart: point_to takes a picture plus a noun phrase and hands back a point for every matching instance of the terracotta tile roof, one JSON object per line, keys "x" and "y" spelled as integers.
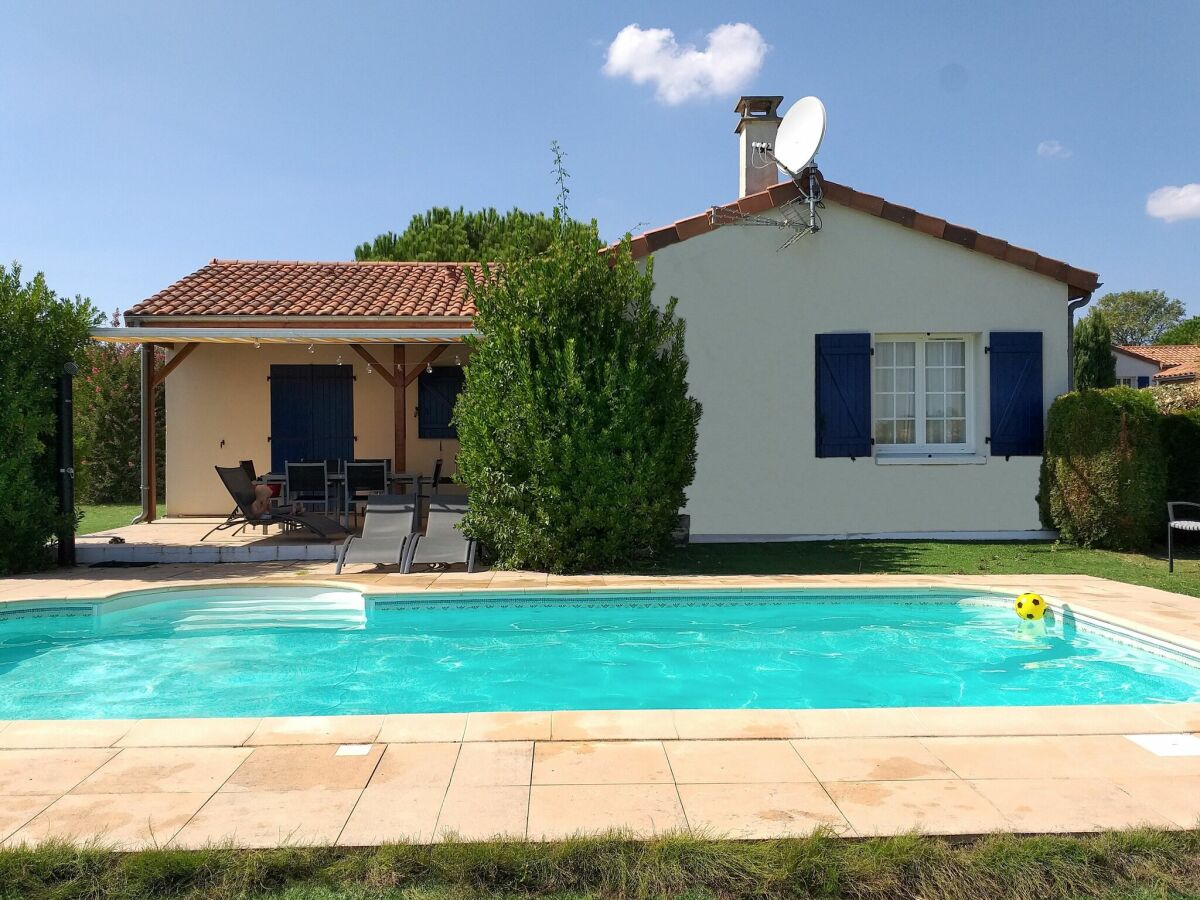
{"x": 1163, "y": 354}
{"x": 259, "y": 288}
{"x": 1079, "y": 281}
{"x": 1188, "y": 370}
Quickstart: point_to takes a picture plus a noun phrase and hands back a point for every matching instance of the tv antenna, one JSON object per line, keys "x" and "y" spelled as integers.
{"x": 794, "y": 152}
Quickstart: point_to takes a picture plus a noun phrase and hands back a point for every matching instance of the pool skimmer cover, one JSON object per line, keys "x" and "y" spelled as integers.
{"x": 1168, "y": 744}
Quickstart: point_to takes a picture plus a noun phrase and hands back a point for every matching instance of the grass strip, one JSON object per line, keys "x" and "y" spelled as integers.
{"x": 1126, "y": 864}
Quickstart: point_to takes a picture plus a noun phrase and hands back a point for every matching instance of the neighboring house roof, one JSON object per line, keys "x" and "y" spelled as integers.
{"x": 352, "y": 289}
{"x": 1164, "y": 355}
{"x": 1187, "y": 371}
{"x": 1078, "y": 281}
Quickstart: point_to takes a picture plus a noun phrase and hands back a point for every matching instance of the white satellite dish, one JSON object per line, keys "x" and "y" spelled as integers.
{"x": 799, "y": 136}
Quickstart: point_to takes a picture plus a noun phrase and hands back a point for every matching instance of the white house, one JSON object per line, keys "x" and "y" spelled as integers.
{"x": 1140, "y": 366}
{"x": 887, "y": 375}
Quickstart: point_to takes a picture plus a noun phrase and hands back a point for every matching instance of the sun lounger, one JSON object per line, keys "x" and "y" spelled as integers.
{"x": 241, "y": 489}
{"x": 442, "y": 542}
{"x": 390, "y": 523}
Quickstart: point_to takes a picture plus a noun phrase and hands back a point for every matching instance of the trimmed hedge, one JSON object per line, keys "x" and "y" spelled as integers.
{"x": 1104, "y": 477}
{"x": 1181, "y": 442}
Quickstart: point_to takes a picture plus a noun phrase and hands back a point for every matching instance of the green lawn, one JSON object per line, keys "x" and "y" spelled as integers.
{"x": 109, "y": 515}
{"x": 933, "y": 557}
{"x": 1126, "y": 865}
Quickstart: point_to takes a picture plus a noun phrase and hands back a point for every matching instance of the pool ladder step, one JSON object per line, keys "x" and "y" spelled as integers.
{"x": 337, "y": 609}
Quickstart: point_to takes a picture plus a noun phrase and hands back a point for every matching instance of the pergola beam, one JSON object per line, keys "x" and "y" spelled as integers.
{"x": 427, "y": 361}
{"x": 374, "y": 364}
{"x": 173, "y": 363}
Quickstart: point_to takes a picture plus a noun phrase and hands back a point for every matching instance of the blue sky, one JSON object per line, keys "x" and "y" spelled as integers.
{"x": 141, "y": 140}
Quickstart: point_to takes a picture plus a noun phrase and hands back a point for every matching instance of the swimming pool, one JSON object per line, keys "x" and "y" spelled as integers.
{"x": 310, "y": 651}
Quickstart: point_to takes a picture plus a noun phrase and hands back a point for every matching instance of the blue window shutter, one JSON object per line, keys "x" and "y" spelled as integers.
{"x": 843, "y": 405}
{"x": 437, "y": 392}
{"x": 1016, "y": 392}
{"x": 1143, "y": 381}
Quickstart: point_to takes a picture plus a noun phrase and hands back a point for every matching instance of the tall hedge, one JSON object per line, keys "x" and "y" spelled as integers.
{"x": 108, "y": 425}
{"x": 39, "y": 333}
{"x": 1181, "y": 442}
{"x": 578, "y": 436}
{"x": 1105, "y": 470}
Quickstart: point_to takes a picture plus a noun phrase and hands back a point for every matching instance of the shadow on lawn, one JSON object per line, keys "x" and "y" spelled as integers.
{"x": 917, "y": 557}
{"x": 800, "y": 558}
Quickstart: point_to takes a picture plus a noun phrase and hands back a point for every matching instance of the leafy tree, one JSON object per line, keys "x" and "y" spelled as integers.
{"x": 1095, "y": 366}
{"x": 108, "y": 430}
{"x": 39, "y": 333}
{"x": 1140, "y": 317}
{"x": 445, "y": 235}
{"x": 578, "y": 436}
{"x": 1186, "y": 332}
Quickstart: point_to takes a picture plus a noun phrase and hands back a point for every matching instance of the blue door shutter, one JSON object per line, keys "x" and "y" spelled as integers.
{"x": 290, "y": 414}
{"x": 1143, "y": 381}
{"x": 437, "y": 392}
{"x": 843, "y": 423}
{"x": 312, "y": 413}
{"x": 1016, "y": 392}
{"x": 332, "y": 412}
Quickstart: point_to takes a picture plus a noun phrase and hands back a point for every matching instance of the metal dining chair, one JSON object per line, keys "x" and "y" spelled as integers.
{"x": 307, "y": 483}
{"x": 362, "y": 479}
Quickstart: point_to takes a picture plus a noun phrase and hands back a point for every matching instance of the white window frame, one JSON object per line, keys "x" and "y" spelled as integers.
{"x": 922, "y": 448}
{"x": 1127, "y": 381}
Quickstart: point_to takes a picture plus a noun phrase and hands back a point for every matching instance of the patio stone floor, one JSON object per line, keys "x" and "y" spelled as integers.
{"x": 357, "y": 780}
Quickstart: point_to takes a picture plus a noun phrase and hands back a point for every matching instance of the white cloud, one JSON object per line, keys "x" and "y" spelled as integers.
{"x": 1054, "y": 150}
{"x": 681, "y": 72}
{"x": 1171, "y": 203}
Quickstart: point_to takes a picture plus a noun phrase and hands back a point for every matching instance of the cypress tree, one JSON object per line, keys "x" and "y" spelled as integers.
{"x": 1095, "y": 366}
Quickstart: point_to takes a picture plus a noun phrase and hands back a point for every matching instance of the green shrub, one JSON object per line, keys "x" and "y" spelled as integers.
{"x": 1181, "y": 443}
{"x": 578, "y": 437}
{"x": 39, "y": 334}
{"x": 1105, "y": 473}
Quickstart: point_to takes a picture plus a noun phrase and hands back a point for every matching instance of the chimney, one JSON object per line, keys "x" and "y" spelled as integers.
{"x": 760, "y": 120}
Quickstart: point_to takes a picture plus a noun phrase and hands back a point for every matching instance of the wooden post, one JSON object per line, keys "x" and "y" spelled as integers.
{"x": 149, "y": 423}
{"x": 399, "y": 410}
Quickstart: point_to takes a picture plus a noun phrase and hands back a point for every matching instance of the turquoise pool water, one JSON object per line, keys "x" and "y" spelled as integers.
{"x": 276, "y": 651}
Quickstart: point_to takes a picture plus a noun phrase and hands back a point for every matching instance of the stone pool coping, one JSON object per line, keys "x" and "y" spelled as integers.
{"x": 745, "y": 773}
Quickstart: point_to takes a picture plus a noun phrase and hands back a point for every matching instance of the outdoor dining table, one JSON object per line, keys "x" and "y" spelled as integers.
{"x": 337, "y": 479}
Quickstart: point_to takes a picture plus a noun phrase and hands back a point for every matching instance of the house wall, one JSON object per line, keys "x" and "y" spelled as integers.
{"x": 218, "y": 412}
{"x": 1132, "y": 367}
{"x": 752, "y": 312}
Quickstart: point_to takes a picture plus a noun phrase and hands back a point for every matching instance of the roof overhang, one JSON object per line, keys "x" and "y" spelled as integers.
{"x": 282, "y": 335}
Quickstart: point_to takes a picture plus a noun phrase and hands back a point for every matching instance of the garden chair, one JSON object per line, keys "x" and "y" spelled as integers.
{"x": 389, "y": 525}
{"x": 442, "y": 541}
{"x": 363, "y": 479}
{"x": 1175, "y": 523}
{"x": 307, "y": 483}
{"x": 241, "y": 489}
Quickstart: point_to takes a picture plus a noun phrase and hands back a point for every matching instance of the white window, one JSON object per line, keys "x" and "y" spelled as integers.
{"x": 922, "y": 386}
{"x": 1127, "y": 382}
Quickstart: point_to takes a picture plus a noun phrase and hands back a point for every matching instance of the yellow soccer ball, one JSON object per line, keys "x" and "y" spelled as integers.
{"x": 1030, "y": 606}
